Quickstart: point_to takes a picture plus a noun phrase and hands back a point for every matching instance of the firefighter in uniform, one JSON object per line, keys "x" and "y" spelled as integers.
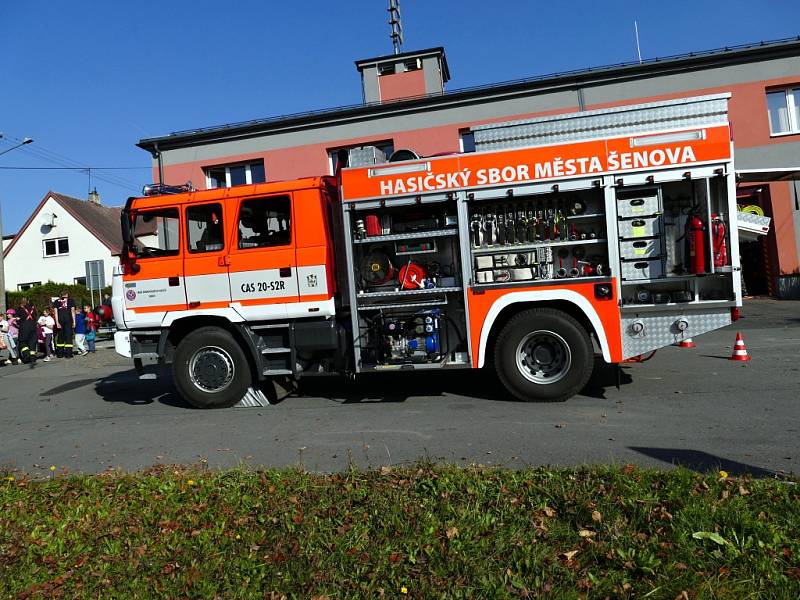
{"x": 28, "y": 342}
{"x": 65, "y": 322}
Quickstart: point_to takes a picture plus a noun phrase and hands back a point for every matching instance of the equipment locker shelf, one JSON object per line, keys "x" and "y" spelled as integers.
{"x": 671, "y": 206}
{"x": 524, "y": 247}
{"x": 549, "y": 237}
{"x": 405, "y": 236}
{"x": 408, "y": 295}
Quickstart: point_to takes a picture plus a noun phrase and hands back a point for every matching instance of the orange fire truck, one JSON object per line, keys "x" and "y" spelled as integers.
{"x": 609, "y": 232}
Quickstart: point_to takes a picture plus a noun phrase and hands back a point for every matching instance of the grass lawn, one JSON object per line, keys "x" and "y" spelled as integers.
{"x": 419, "y": 532}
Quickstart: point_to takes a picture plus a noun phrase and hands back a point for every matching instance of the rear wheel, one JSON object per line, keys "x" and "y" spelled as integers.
{"x": 543, "y": 355}
{"x": 210, "y": 369}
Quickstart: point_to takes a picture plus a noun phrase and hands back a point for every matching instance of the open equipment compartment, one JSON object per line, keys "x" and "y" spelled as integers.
{"x": 675, "y": 243}
{"x": 406, "y": 276}
{"x": 538, "y": 234}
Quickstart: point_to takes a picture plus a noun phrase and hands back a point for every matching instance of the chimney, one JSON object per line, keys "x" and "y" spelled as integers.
{"x": 404, "y": 75}
{"x": 94, "y": 196}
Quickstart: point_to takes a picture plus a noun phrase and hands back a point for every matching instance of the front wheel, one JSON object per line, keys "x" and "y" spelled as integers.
{"x": 543, "y": 355}
{"x": 210, "y": 369}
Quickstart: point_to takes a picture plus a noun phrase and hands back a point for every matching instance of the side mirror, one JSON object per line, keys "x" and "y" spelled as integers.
{"x": 127, "y": 229}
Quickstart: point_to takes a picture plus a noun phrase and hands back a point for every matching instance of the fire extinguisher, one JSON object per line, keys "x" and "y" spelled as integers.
{"x": 718, "y": 241}
{"x": 695, "y": 244}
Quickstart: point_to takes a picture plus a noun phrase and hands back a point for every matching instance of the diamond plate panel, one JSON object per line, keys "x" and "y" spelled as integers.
{"x": 252, "y": 398}
{"x": 659, "y": 328}
{"x": 626, "y": 120}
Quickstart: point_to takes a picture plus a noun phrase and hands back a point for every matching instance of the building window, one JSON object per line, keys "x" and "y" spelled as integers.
{"x": 80, "y": 280}
{"x": 341, "y": 155}
{"x": 56, "y": 247}
{"x": 784, "y": 111}
{"x": 415, "y": 64}
{"x": 387, "y": 69}
{"x": 239, "y": 174}
{"x": 265, "y": 222}
{"x": 204, "y": 228}
{"x": 24, "y": 287}
{"x": 467, "y": 141}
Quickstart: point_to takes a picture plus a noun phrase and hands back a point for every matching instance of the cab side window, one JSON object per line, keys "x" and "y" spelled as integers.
{"x": 204, "y": 230}
{"x": 265, "y": 222}
{"x": 157, "y": 233}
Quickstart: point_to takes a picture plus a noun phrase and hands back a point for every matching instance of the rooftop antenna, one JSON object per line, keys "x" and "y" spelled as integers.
{"x": 638, "y": 49}
{"x": 396, "y": 24}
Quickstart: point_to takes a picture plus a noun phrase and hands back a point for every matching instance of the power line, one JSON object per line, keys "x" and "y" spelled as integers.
{"x": 75, "y": 168}
{"x": 52, "y": 157}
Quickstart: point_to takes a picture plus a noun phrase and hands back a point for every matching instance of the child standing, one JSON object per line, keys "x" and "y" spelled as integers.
{"x": 47, "y": 323}
{"x": 12, "y": 337}
{"x": 91, "y": 328}
{"x": 80, "y": 331}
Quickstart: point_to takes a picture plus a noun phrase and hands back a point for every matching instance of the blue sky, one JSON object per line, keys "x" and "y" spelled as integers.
{"x": 87, "y": 79}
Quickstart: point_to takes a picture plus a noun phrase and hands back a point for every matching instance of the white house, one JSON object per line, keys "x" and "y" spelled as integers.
{"x": 62, "y": 234}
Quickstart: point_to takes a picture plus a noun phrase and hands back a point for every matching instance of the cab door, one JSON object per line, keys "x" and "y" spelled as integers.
{"x": 157, "y": 287}
{"x": 205, "y": 260}
{"x": 263, "y": 264}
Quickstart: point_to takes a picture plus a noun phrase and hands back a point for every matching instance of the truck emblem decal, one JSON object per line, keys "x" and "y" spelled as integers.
{"x": 131, "y": 295}
{"x": 312, "y": 280}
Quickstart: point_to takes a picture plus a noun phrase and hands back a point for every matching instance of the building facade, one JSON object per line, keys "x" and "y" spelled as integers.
{"x": 406, "y": 107}
{"x": 61, "y": 235}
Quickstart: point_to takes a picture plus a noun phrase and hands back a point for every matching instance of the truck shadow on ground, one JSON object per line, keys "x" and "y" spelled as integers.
{"x": 477, "y": 384}
{"x": 126, "y": 387}
{"x": 703, "y": 462}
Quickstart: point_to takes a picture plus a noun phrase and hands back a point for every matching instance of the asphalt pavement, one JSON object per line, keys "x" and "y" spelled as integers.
{"x": 689, "y": 406}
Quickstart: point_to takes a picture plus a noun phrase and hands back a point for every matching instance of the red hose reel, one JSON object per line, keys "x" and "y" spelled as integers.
{"x": 412, "y": 276}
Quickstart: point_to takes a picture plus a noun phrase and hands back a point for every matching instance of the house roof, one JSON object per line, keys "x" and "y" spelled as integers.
{"x": 679, "y": 63}
{"x": 103, "y": 222}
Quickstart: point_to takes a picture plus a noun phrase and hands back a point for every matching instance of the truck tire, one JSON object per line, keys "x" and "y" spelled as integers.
{"x": 210, "y": 370}
{"x": 543, "y": 355}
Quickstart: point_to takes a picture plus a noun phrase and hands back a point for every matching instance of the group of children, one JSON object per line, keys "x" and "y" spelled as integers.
{"x": 60, "y": 330}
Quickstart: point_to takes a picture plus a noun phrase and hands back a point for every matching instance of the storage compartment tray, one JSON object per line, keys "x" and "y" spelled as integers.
{"x": 639, "y": 249}
{"x": 651, "y": 268}
{"x": 640, "y": 227}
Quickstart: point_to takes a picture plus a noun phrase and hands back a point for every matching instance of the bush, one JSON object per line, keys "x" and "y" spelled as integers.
{"x": 42, "y": 295}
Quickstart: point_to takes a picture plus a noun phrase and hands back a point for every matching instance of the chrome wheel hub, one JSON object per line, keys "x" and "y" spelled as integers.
{"x": 543, "y": 357}
{"x": 211, "y": 369}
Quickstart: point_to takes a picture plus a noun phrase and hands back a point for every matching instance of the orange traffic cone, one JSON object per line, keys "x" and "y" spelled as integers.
{"x": 687, "y": 343}
{"x": 739, "y": 350}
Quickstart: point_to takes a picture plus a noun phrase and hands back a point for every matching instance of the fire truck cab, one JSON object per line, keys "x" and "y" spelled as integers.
{"x": 604, "y": 232}
{"x": 227, "y": 271}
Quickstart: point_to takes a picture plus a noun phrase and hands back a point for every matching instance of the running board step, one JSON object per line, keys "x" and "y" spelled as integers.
{"x": 272, "y": 372}
{"x": 276, "y": 350}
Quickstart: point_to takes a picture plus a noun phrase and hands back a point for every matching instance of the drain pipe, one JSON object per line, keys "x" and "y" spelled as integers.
{"x": 157, "y": 155}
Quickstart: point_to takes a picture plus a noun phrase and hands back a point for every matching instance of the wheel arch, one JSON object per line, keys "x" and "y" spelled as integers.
{"x": 569, "y": 302}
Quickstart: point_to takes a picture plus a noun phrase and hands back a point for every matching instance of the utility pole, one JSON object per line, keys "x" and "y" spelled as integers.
{"x": 2, "y": 253}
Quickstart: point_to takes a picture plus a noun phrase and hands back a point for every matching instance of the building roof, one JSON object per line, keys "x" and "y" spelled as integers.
{"x": 103, "y": 222}
{"x": 541, "y": 83}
